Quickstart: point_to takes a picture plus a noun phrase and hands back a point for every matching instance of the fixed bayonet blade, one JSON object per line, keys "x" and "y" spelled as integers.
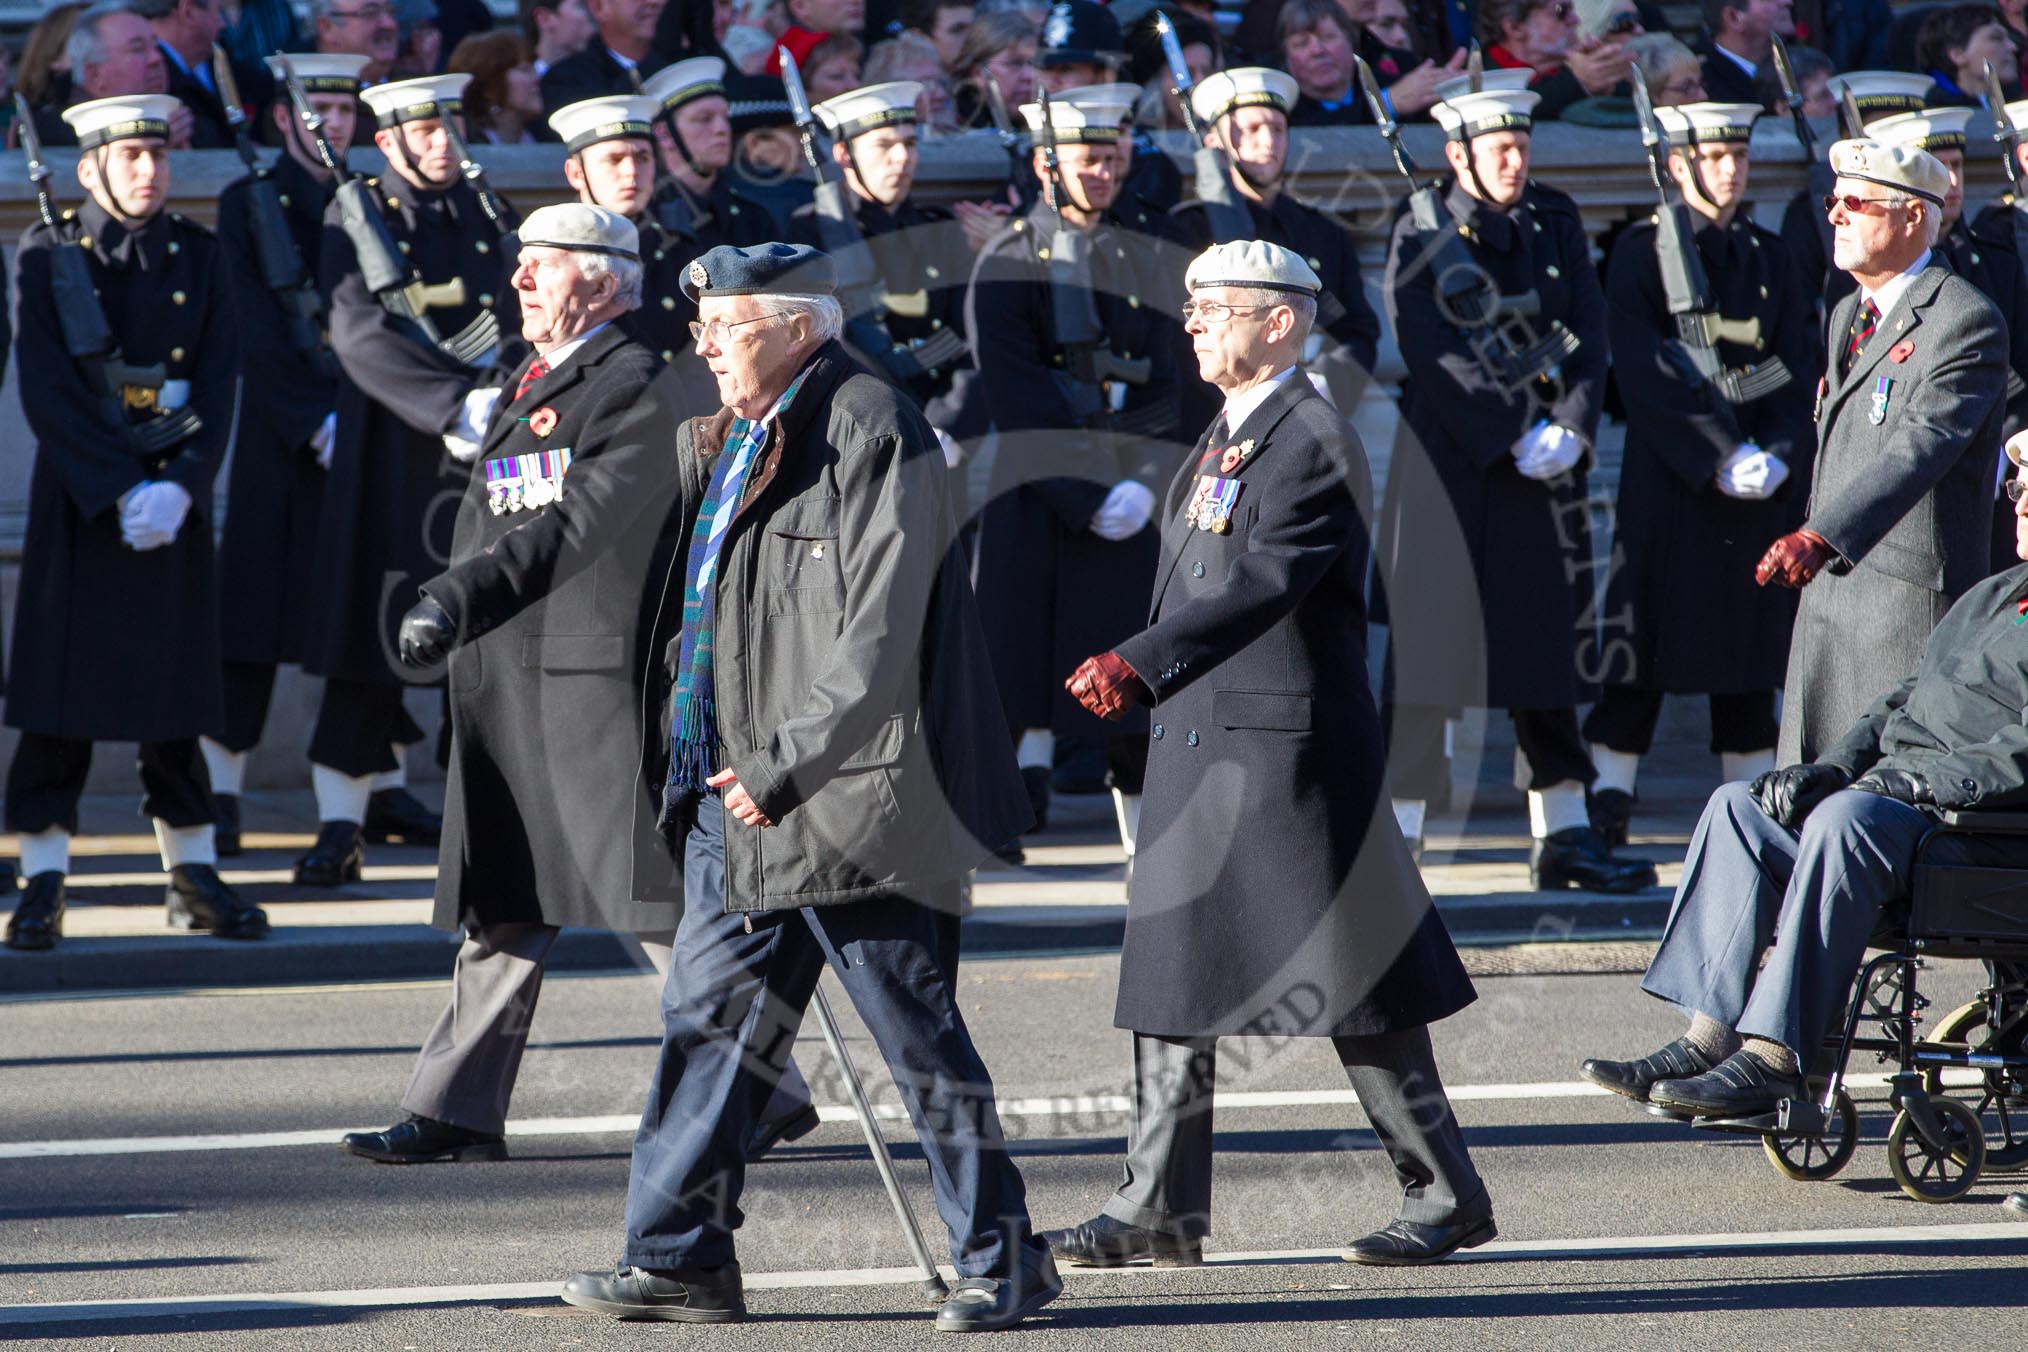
{"x": 792, "y": 80}
{"x": 1370, "y": 87}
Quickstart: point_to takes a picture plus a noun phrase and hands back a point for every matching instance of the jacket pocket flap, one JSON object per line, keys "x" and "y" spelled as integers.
{"x": 805, "y": 519}
{"x": 1260, "y": 709}
{"x": 574, "y": 652}
{"x": 1918, "y": 568}
{"x": 883, "y": 748}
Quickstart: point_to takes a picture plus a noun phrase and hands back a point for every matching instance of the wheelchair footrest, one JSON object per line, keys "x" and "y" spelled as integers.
{"x": 1760, "y": 1124}
{"x": 1791, "y": 1117}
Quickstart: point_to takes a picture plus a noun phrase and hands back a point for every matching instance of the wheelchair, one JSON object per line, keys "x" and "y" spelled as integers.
{"x": 1968, "y": 899}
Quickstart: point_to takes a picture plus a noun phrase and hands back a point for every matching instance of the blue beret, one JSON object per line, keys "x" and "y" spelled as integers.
{"x": 731, "y": 271}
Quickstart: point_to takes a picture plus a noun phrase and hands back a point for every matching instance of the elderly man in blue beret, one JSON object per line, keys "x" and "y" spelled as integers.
{"x": 835, "y": 743}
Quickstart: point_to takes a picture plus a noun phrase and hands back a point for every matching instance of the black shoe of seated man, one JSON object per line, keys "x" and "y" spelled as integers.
{"x": 1035, "y": 778}
{"x": 37, "y": 923}
{"x": 335, "y": 859}
{"x": 1611, "y": 811}
{"x": 1739, "y": 1086}
{"x": 424, "y": 1140}
{"x": 2016, "y": 1205}
{"x": 226, "y": 824}
{"x": 984, "y": 1304}
{"x": 676, "y": 1295}
{"x": 1680, "y": 1060}
{"x": 1412, "y": 1244}
{"x": 398, "y": 816}
{"x": 198, "y": 899}
{"x": 1108, "y": 1243}
{"x": 794, "y": 1127}
{"x": 1577, "y": 857}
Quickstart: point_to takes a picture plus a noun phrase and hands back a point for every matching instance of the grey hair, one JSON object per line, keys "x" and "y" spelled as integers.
{"x": 1932, "y": 213}
{"x": 85, "y": 48}
{"x": 827, "y": 316}
{"x": 625, "y": 272}
{"x": 1655, "y": 53}
{"x": 1305, "y": 307}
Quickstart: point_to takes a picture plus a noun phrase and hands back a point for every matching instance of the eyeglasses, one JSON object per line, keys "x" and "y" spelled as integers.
{"x": 2015, "y": 488}
{"x": 1212, "y": 312}
{"x": 369, "y": 13}
{"x": 1858, "y": 206}
{"x": 718, "y": 330}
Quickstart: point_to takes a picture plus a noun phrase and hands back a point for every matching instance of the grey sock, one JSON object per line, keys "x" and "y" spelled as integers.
{"x": 1711, "y": 1037}
{"x": 1773, "y": 1055}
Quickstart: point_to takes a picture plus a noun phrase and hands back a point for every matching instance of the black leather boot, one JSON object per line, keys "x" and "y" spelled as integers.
{"x": 1611, "y": 811}
{"x": 226, "y": 824}
{"x": 1577, "y": 857}
{"x": 398, "y": 816}
{"x": 334, "y": 859}
{"x": 37, "y": 923}
{"x": 198, "y": 899}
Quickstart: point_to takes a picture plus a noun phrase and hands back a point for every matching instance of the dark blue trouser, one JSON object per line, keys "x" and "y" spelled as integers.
{"x": 730, "y": 1010}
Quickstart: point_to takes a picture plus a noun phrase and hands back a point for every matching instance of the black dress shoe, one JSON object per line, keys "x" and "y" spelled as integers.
{"x": 1611, "y": 810}
{"x": 1739, "y": 1086}
{"x": 335, "y": 858}
{"x": 1412, "y": 1244}
{"x": 226, "y": 824}
{"x": 37, "y": 923}
{"x": 1035, "y": 778}
{"x": 767, "y": 1135}
{"x": 1105, "y": 1242}
{"x": 1577, "y": 857}
{"x": 424, "y": 1140}
{"x": 678, "y": 1295}
{"x": 984, "y": 1304}
{"x": 198, "y": 899}
{"x": 1680, "y": 1060}
{"x": 396, "y": 815}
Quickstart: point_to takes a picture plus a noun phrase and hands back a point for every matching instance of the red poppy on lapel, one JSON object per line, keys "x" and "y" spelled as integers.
{"x": 1901, "y": 352}
{"x": 543, "y": 421}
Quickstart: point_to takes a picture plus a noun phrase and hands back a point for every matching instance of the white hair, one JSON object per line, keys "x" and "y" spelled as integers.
{"x": 625, "y": 272}
{"x": 827, "y": 316}
{"x": 1305, "y": 307}
{"x": 85, "y": 48}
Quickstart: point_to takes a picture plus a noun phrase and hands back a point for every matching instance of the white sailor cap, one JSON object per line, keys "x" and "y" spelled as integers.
{"x": 1120, "y": 98}
{"x": 1245, "y": 87}
{"x": 400, "y": 101}
{"x": 1509, "y": 79}
{"x": 1490, "y": 110}
{"x": 1904, "y": 168}
{"x": 1708, "y": 123}
{"x": 2017, "y": 113}
{"x": 613, "y": 117}
{"x": 1882, "y": 93}
{"x": 679, "y": 82}
{"x": 580, "y": 227}
{"x": 870, "y": 107}
{"x": 322, "y": 72}
{"x": 121, "y": 118}
{"x": 1074, "y": 122}
{"x": 1252, "y": 263}
{"x": 1932, "y": 129}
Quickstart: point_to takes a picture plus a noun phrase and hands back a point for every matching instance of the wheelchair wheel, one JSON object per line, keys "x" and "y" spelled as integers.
{"x": 1931, "y": 1175}
{"x": 1812, "y": 1159}
{"x": 2002, "y": 1110}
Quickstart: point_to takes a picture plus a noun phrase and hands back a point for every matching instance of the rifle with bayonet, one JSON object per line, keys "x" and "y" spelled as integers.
{"x": 275, "y": 252}
{"x": 1693, "y": 352}
{"x": 87, "y": 338}
{"x": 1019, "y": 146}
{"x": 1223, "y": 211}
{"x": 859, "y": 286}
{"x": 1821, "y": 180}
{"x": 383, "y": 268}
{"x": 1493, "y": 324}
{"x": 2010, "y": 153}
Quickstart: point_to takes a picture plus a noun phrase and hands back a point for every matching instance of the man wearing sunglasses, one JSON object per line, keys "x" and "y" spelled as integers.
{"x": 1906, "y": 415}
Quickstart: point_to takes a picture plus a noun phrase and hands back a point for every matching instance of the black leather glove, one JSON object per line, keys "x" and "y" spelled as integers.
{"x": 427, "y": 633}
{"x": 1788, "y": 794}
{"x": 1900, "y": 785}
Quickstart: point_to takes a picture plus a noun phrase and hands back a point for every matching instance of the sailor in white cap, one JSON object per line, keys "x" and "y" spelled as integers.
{"x": 1498, "y": 416}
{"x": 1245, "y": 116}
{"x": 381, "y": 532}
{"x": 287, "y": 414}
{"x": 1908, "y": 417}
{"x": 1087, "y": 415}
{"x": 116, "y": 625}
{"x": 1712, "y": 470}
{"x": 693, "y": 134}
{"x": 1263, "y": 589}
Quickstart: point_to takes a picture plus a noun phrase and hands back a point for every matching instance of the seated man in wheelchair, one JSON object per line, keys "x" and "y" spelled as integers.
{"x": 1799, "y": 863}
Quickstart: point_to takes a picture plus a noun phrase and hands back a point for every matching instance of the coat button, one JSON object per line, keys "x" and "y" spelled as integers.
{"x": 402, "y": 245}
{"x": 1969, "y": 785}
{"x": 668, "y": 302}
{"x": 661, "y": 254}
{"x": 1191, "y": 737}
{"x": 1156, "y": 732}
{"x": 175, "y": 354}
{"x": 931, "y": 272}
{"x": 174, "y": 247}
{"x": 177, "y": 297}
{"x": 485, "y": 300}
{"x": 482, "y": 246}
{"x": 668, "y": 356}
{"x": 1197, "y": 570}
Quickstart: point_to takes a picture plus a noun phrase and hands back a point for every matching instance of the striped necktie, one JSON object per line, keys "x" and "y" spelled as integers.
{"x": 537, "y": 369}
{"x": 1863, "y": 324}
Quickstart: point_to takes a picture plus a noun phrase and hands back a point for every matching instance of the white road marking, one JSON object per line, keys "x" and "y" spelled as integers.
{"x": 1628, "y": 1247}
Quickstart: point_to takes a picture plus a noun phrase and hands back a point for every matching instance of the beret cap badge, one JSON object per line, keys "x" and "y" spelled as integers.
{"x": 698, "y": 276}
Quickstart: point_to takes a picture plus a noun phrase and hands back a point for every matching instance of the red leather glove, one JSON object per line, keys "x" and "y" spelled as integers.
{"x": 1106, "y": 685}
{"x": 1794, "y": 559}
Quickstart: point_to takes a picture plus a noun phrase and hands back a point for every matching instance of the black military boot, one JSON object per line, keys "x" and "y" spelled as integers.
{"x": 226, "y": 824}
{"x": 334, "y": 859}
{"x": 198, "y": 899}
{"x": 37, "y": 923}
{"x": 396, "y": 816}
{"x": 1611, "y": 810}
{"x": 1577, "y": 857}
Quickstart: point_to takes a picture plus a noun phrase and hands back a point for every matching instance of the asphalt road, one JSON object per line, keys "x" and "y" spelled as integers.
{"x": 1617, "y": 1228}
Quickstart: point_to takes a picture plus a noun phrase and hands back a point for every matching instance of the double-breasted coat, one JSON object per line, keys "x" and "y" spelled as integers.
{"x": 1486, "y": 574}
{"x": 392, "y": 494}
{"x": 1272, "y": 891}
{"x": 553, "y": 753}
{"x": 1683, "y": 613}
{"x": 1901, "y": 491}
{"x": 111, "y": 643}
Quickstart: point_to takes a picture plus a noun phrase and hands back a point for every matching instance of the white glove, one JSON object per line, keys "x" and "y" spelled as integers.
{"x": 1547, "y": 450}
{"x": 151, "y": 513}
{"x": 1124, "y": 512}
{"x": 954, "y": 454}
{"x": 1751, "y": 473}
{"x": 469, "y": 431}
{"x": 324, "y": 440}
